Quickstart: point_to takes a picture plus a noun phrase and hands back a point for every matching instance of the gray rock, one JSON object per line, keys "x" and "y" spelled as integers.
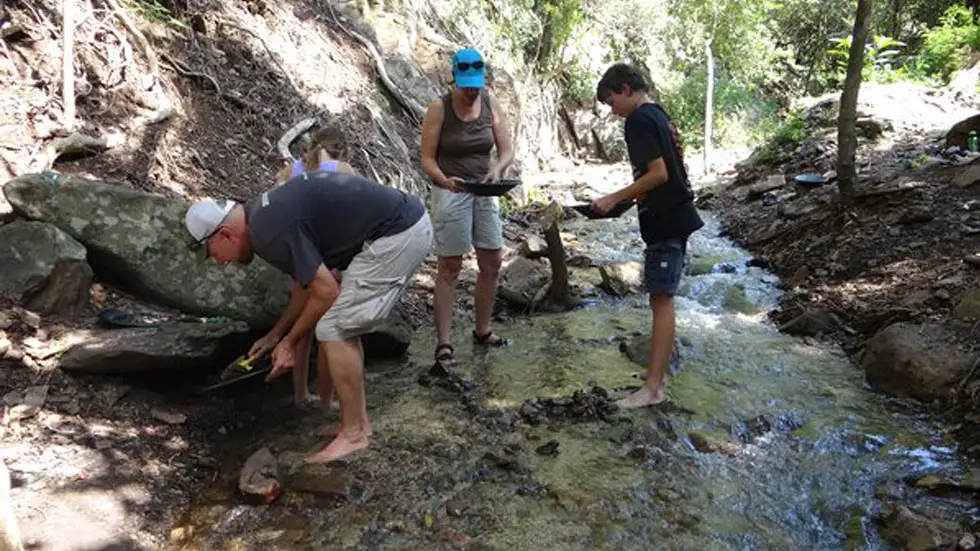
{"x": 637, "y": 349}
{"x": 173, "y": 347}
{"x": 43, "y": 268}
{"x": 259, "y": 476}
{"x": 608, "y": 134}
{"x": 522, "y": 279}
{"x": 813, "y": 322}
{"x": 622, "y": 278}
{"x": 533, "y": 247}
{"x": 771, "y": 183}
{"x": 872, "y": 128}
{"x": 915, "y": 531}
{"x": 968, "y": 305}
{"x": 316, "y": 479}
{"x": 967, "y": 176}
{"x": 917, "y": 361}
{"x": 918, "y": 214}
{"x": 138, "y": 242}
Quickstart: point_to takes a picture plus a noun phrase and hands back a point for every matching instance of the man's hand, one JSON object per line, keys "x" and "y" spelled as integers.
{"x": 605, "y": 204}
{"x": 493, "y": 176}
{"x": 283, "y": 359}
{"x": 263, "y": 346}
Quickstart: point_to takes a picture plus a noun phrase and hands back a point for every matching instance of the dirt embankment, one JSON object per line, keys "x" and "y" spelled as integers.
{"x": 904, "y": 256}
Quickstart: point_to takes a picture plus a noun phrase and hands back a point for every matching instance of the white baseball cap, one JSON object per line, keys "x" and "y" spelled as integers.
{"x": 205, "y": 217}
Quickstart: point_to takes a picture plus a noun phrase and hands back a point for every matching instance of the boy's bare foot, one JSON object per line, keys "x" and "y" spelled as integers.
{"x": 645, "y": 397}
{"x": 339, "y": 448}
{"x": 334, "y": 430}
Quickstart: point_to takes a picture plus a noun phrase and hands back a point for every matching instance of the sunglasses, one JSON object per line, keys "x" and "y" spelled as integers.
{"x": 466, "y": 65}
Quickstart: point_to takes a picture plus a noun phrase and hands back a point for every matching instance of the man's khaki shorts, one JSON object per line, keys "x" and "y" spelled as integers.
{"x": 463, "y": 221}
{"x": 374, "y": 282}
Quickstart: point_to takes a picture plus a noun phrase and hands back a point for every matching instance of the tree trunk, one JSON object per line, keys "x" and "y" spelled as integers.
{"x": 846, "y": 132}
{"x": 709, "y": 109}
{"x": 67, "y": 65}
{"x": 9, "y": 533}
{"x": 895, "y": 25}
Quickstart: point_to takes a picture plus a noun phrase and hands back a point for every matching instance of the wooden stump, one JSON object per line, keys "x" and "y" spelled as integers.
{"x": 559, "y": 296}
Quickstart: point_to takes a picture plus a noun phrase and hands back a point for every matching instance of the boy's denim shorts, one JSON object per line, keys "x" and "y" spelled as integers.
{"x": 663, "y": 266}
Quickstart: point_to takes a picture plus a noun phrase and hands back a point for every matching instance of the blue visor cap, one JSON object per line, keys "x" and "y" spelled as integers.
{"x": 469, "y": 69}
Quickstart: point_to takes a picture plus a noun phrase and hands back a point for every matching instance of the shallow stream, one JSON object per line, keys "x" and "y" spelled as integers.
{"x": 793, "y": 445}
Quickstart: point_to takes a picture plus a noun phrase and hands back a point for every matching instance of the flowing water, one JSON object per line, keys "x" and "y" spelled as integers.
{"x": 793, "y": 443}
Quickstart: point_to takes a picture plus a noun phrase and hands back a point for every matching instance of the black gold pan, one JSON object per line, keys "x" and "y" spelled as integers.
{"x": 586, "y": 210}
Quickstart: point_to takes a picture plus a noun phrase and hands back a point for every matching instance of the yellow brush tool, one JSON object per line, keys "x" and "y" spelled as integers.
{"x": 237, "y": 368}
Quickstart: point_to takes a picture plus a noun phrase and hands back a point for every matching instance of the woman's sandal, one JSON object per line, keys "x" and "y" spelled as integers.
{"x": 445, "y": 353}
{"x": 490, "y": 339}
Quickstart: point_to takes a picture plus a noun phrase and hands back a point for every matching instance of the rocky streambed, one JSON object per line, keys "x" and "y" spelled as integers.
{"x": 769, "y": 442}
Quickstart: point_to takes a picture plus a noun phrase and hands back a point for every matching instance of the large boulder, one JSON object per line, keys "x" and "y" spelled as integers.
{"x": 391, "y": 340}
{"x": 171, "y": 347}
{"x": 960, "y": 132}
{"x": 138, "y": 242}
{"x": 523, "y": 280}
{"x": 916, "y": 361}
{"x": 44, "y": 268}
{"x": 608, "y": 133}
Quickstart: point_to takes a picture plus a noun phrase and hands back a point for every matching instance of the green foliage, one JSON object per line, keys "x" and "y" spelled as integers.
{"x": 537, "y": 30}
{"x": 517, "y": 27}
{"x": 578, "y": 83}
{"x": 945, "y": 48}
{"x": 153, "y": 10}
{"x": 766, "y": 52}
{"x": 785, "y": 136}
{"x": 738, "y": 110}
{"x": 880, "y": 56}
{"x": 562, "y": 16}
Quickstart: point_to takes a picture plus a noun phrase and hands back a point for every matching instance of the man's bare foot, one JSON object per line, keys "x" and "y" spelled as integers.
{"x": 645, "y": 397}
{"x": 334, "y": 430}
{"x": 305, "y": 403}
{"x": 339, "y": 448}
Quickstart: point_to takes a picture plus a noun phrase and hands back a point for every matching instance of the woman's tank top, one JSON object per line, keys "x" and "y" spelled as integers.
{"x": 325, "y": 166}
{"x": 464, "y": 146}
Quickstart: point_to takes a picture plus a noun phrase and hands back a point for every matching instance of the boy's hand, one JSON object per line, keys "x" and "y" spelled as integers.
{"x": 605, "y": 204}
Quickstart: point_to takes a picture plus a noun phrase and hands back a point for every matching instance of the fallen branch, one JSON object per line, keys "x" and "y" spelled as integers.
{"x": 76, "y": 143}
{"x": 290, "y": 136}
{"x": 367, "y": 159}
{"x": 782, "y": 231}
{"x": 416, "y": 110}
{"x": 183, "y": 70}
{"x": 889, "y": 190}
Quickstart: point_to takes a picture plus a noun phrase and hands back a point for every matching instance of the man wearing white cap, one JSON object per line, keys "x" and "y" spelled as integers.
{"x": 307, "y": 227}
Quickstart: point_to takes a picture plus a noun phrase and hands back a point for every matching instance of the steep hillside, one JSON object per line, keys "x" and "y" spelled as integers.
{"x": 191, "y": 98}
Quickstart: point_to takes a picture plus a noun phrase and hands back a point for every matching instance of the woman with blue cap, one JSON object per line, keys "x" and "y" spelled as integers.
{"x": 458, "y": 134}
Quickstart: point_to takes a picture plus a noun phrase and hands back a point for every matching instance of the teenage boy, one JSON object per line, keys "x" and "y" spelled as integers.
{"x": 665, "y": 206}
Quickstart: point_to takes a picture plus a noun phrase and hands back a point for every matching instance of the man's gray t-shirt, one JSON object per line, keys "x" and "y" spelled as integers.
{"x": 325, "y": 218}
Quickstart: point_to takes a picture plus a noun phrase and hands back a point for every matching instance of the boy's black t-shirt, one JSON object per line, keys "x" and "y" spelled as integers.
{"x": 667, "y": 211}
